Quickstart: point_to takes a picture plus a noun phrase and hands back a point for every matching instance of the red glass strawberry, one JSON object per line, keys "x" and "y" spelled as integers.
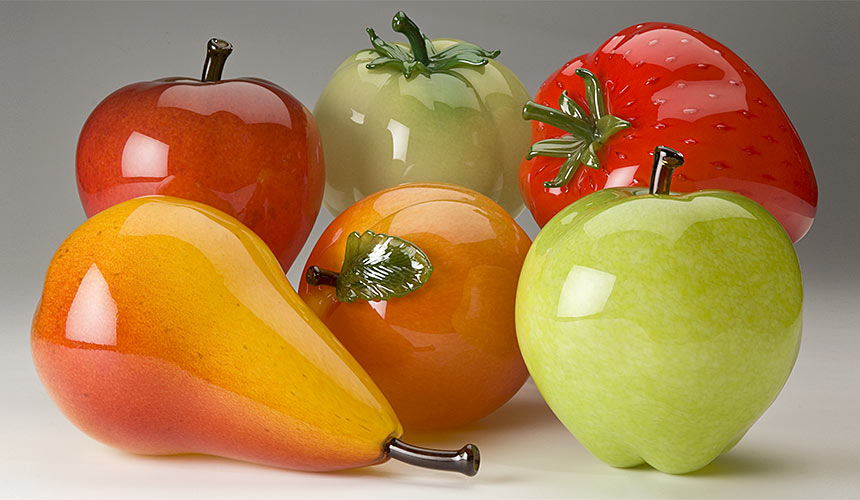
{"x": 658, "y": 83}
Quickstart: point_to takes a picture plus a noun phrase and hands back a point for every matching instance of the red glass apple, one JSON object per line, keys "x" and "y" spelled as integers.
{"x": 244, "y": 146}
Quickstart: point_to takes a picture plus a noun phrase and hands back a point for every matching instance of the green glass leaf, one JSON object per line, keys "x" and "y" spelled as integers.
{"x": 559, "y": 147}
{"x": 423, "y": 56}
{"x": 608, "y": 125}
{"x": 569, "y": 107}
{"x": 566, "y": 171}
{"x": 379, "y": 267}
{"x": 587, "y": 133}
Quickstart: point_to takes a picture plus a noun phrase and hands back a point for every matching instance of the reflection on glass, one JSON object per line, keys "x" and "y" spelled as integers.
{"x": 221, "y": 98}
{"x": 92, "y": 315}
{"x": 144, "y": 156}
{"x": 399, "y": 139}
{"x": 621, "y": 177}
{"x": 357, "y": 117}
{"x": 584, "y": 292}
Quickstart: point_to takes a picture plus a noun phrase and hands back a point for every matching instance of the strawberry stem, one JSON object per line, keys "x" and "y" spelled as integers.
{"x": 586, "y": 133}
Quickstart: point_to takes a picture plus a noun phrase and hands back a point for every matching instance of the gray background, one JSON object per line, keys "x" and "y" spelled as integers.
{"x": 58, "y": 60}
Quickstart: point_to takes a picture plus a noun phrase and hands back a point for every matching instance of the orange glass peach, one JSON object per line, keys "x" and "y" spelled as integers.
{"x": 446, "y": 354}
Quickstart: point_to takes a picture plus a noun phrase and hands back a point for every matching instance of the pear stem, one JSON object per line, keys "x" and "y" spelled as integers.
{"x": 466, "y": 460}
{"x": 321, "y": 277}
{"x": 666, "y": 160}
{"x": 217, "y": 52}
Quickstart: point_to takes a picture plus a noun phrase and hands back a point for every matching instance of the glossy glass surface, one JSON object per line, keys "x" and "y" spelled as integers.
{"x": 168, "y": 327}
{"x": 445, "y": 354}
{"x": 381, "y": 129}
{"x": 246, "y": 147}
{"x": 681, "y": 89}
{"x": 659, "y": 328}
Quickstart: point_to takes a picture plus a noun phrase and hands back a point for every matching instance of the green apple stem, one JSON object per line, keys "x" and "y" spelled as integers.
{"x": 666, "y": 160}
{"x": 466, "y": 460}
{"x": 217, "y": 52}
{"x": 321, "y": 277}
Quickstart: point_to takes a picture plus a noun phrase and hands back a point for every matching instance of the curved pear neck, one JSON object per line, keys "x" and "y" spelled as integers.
{"x": 466, "y": 460}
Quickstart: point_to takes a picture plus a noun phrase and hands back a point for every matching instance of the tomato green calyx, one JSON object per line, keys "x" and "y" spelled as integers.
{"x": 375, "y": 267}
{"x": 217, "y": 52}
{"x": 586, "y": 132}
{"x": 423, "y": 57}
{"x": 666, "y": 160}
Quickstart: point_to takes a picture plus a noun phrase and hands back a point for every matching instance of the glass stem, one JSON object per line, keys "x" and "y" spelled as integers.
{"x": 402, "y": 24}
{"x": 217, "y": 52}
{"x": 466, "y": 460}
{"x": 666, "y": 160}
{"x": 321, "y": 277}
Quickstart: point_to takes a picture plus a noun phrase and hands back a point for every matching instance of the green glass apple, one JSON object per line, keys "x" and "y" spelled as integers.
{"x": 659, "y": 327}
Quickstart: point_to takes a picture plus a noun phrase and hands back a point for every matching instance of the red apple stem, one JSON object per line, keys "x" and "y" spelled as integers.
{"x": 316, "y": 277}
{"x": 666, "y": 160}
{"x": 466, "y": 460}
{"x": 217, "y": 52}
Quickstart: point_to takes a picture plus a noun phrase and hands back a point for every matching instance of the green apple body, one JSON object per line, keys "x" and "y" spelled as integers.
{"x": 463, "y": 126}
{"x": 658, "y": 327}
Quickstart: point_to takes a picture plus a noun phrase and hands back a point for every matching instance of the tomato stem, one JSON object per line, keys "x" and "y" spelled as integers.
{"x": 217, "y": 52}
{"x": 423, "y": 58}
{"x": 666, "y": 160}
{"x": 402, "y": 24}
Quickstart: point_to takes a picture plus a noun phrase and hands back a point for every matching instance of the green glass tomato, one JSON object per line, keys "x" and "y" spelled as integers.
{"x": 433, "y": 111}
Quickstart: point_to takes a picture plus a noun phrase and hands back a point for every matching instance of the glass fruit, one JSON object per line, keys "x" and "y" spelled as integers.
{"x": 446, "y": 353}
{"x": 166, "y": 326}
{"x": 657, "y": 326}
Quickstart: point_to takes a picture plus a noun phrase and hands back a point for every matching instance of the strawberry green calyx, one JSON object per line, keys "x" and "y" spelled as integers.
{"x": 375, "y": 267}
{"x": 423, "y": 57}
{"x": 586, "y": 132}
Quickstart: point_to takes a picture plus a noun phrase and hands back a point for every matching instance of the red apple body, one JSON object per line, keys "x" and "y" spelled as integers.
{"x": 244, "y": 146}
